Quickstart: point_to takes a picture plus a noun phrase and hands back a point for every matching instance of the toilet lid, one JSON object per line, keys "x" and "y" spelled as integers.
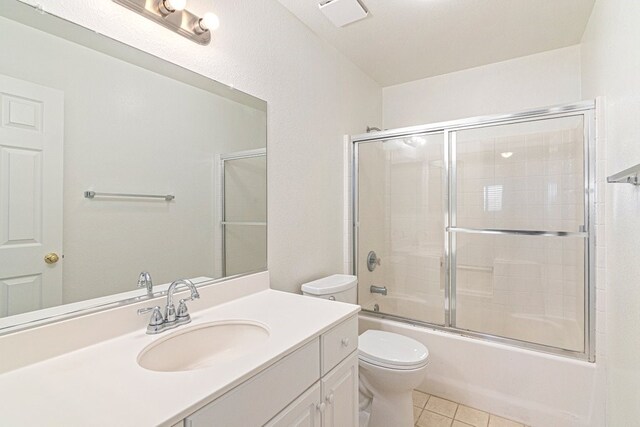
{"x": 391, "y": 350}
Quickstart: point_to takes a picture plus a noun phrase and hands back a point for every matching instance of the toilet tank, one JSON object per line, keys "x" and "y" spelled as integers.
{"x": 339, "y": 287}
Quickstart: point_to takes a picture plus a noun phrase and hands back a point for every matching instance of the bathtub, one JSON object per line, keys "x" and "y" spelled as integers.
{"x": 476, "y": 315}
{"x": 537, "y": 389}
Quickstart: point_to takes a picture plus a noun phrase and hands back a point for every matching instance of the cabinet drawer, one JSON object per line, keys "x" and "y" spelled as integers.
{"x": 257, "y": 400}
{"x": 338, "y": 343}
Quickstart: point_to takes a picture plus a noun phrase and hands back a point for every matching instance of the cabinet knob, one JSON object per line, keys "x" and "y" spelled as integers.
{"x": 321, "y": 406}
{"x": 329, "y": 399}
{"x": 345, "y": 342}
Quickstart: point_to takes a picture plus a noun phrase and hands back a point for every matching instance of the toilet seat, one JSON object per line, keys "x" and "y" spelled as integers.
{"x": 393, "y": 351}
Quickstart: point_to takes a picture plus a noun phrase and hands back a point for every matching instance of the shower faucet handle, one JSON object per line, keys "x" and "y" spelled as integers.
{"x": 372, "y": 260}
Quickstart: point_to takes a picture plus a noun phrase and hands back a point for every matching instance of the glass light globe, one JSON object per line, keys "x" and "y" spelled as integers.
{"x": 175, "y": 4}
{"x": 210, "y": 21}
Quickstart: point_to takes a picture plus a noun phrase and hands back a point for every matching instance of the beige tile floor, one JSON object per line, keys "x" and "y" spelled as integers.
{"x": 433, "y": 411}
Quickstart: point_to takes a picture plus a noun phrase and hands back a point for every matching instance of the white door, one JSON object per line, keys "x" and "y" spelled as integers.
{"x": 31, "y": 137}
{"x": 340, "y": 394}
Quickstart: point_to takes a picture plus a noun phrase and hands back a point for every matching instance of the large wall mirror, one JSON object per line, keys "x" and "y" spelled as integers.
{"x": 114, "y": 162}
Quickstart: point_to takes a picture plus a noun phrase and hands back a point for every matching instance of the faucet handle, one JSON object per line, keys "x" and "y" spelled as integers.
{"x": 183, "y": 312}
{"x": 156, "y": 321}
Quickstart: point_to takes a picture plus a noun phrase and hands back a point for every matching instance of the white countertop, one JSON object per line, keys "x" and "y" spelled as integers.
{"x": 102, "y": 384}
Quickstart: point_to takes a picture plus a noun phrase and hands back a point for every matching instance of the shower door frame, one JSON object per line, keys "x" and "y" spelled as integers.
{"x": 223, "y": 158}
{"x": 586, "y": 109}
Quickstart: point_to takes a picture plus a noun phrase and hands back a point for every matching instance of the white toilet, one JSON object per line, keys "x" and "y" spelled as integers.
{"x": 391, "y": 365}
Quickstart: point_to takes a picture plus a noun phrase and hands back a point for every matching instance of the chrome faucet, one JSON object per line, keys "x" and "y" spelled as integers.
{"x": 382, "y": 290}
{"x": 171, "y": 318}
{"x": 183, "y": 314}
{"x": 144, "y": 281}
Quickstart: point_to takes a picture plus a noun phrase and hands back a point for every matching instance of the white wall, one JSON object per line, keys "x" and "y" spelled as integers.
{"x": 314, "y": 96}
{"x": 542, "y": 79}
{"x": 610, "y": 63}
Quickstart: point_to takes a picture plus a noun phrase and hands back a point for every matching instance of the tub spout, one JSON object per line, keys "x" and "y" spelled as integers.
{"x": 382, "y": 290}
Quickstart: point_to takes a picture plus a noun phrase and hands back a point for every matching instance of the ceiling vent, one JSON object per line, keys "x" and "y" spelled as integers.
{"x": 343, "y": 12}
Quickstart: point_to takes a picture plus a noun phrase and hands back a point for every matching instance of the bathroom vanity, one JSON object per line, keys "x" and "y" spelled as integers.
{"x": 251, "y": 356}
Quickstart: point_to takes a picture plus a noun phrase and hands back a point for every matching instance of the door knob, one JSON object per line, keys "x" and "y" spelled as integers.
{"x": 51, "y": 258}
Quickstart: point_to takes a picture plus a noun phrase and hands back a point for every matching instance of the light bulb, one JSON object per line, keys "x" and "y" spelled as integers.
{"x": 209, "y": 22}
{"x": 173, "y": 5}
{"x": 506, "y": 154}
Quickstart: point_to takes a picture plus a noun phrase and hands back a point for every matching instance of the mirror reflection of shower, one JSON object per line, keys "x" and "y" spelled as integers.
{"x": 243, "y": 212}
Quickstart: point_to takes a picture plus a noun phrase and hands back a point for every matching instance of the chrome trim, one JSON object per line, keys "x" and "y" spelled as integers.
{"x": 182, "y": 22}
{"x": 527, "y": 345}
{"x": 484, "y": 120}
{"x": 243, "y": 223}
{"x": 627, "y": 176}
{"x": 90, "y": 194}
{"x": 518, "y": 232}
{"x": 144, "y": 281}
{"x": 223, "y": 217}
{"x": 355, "y": 206}
{"x": 382, "y": 290}
{"x": 447, "y": 236}
{"x": 373, "y": 261}
{"x": 453, "y": 220}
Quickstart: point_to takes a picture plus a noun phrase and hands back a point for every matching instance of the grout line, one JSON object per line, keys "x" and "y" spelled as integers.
{"x": 456, "y": 412}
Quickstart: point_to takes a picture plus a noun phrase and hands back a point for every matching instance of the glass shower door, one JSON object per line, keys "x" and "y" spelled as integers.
{"x": 401, "y": 213}
{"x": 518, "y": 231}
{"x": 244, "y": 212}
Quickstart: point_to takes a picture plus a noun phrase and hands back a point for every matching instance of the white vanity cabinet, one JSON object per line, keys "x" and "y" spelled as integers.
{"x": 303, "y": 412}
{"x": 331, "y": 402}
{"x": 315, "y": 386}
{"x": 340, "y": 394}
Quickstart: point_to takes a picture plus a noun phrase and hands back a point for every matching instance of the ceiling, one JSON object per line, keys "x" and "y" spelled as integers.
{"x": 405, "y": 40}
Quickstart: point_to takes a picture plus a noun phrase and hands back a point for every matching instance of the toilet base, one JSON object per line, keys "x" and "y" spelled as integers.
{"x": 392, "y": 410}
{"x": 390, "y": 391}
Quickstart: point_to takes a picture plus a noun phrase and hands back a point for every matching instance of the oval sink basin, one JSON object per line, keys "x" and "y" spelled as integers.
{"x": 202, "y": 346}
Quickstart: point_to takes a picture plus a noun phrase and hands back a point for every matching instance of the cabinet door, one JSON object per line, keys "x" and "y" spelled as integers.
{"x": 340, "y": 394}
{"x": 303, "y": 412}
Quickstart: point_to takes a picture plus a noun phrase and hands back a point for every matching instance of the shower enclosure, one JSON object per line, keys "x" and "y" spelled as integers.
{"x": 243, "y": 211}
{"x": 482, "y": 227}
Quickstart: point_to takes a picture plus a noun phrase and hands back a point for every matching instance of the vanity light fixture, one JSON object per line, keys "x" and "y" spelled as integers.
{"x": 173, "y": 15}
